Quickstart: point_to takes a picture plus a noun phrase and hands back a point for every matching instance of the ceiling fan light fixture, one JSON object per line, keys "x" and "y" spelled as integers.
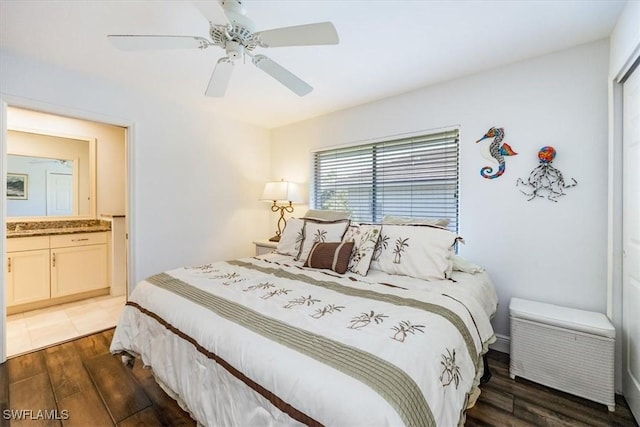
{"x": 234, "y": 50}
{"x": 231, "y": 30}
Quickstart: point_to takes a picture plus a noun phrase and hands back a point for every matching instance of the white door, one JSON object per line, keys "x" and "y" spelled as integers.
{"x": 59, "y": 194}
{"x": 631, "y": 243}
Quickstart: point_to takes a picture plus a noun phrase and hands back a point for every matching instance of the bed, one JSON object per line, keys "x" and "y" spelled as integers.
{"x": 284, "y": 339}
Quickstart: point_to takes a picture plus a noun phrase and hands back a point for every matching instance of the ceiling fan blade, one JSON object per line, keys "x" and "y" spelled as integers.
{"x": 220, "y": 78}
{"x": 282, "y": 75}
{"x": 299, "y": 35}
{"x": 141, "y": 42}
{"x": 213, "y": 11}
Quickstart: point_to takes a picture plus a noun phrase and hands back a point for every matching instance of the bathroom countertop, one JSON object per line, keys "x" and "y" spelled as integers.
{"x": 53, "y": 228}
{"x": 57, "y": 231}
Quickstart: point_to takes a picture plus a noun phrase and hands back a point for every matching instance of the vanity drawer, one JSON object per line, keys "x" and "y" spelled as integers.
{"x": 15, "y": 244}
{"x": 79, "y": 239}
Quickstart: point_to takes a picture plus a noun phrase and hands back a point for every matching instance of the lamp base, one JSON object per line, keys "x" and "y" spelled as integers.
{"x": 275, "y": 239}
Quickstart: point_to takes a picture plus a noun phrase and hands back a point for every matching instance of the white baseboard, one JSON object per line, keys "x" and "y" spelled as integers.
{"x": 502, "y": 344}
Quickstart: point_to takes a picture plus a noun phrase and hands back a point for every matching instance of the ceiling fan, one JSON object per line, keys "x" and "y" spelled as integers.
{"x": 234, "y": 32}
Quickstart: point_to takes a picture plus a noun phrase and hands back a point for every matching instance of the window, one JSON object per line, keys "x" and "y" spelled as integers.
{"x": 415, "y": 177}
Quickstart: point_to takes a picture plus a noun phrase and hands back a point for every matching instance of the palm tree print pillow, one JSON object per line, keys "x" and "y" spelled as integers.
{"x": 420, "y": 251}
{"x": 320, "y": 232}
{"x": 291, "y": 239}
{"x": 364, "y": 237}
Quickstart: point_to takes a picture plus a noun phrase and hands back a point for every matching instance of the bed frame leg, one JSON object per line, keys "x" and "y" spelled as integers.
{"x": 486, "y": 376}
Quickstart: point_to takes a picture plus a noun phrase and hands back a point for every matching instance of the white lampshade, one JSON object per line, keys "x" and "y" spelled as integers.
{"x": 282, "y": 191}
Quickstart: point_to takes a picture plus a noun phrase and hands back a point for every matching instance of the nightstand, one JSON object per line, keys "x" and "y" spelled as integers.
{"x": 265, "y": 246}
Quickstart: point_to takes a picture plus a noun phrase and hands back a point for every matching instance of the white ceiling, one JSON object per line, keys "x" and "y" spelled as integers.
{"x": 386, "y": 47}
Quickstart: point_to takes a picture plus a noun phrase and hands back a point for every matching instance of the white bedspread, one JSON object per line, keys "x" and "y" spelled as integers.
{"x": 263, "y": 341}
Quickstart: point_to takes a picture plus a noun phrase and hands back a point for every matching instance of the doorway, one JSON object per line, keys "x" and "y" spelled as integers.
{"x": 631, "y": 241}
{"x": 110, "y": 193}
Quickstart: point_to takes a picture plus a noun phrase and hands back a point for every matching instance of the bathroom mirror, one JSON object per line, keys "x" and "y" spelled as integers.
{"x": 49, "y": 176}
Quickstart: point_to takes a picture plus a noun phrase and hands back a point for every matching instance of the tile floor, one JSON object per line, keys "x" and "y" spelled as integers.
{"x": 36, "y": 329}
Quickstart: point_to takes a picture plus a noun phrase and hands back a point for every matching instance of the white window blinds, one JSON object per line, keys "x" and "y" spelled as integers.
{"x": 415, "y": 177}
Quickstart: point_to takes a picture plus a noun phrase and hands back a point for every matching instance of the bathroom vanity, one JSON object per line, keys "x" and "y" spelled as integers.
{"x": 54, "y": 262}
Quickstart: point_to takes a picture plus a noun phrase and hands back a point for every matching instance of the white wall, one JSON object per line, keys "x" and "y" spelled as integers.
{"x": 195, "y": 177}
{"x": 625, "y": 39}
{"x": 551, "y": 252}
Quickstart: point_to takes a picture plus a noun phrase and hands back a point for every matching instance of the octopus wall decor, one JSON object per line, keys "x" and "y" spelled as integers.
{"x": 545, "y": 180}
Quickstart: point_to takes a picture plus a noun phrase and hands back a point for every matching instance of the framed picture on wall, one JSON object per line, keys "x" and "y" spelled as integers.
{"x": 17, "y": 186}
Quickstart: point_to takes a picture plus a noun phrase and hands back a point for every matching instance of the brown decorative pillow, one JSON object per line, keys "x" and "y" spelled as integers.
{"x": 334, "y": 256}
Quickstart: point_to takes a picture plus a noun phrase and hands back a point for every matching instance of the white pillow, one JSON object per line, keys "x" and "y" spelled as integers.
{"x": 364, "y": 237}
{"x": 391, "y": 219}
{"x": 315, "y": 231}
{"x": 291, "y": 238}
{"x": 326, "y": 215}
{"x": 420, "y": 251}
{"x": 461, "y": 264}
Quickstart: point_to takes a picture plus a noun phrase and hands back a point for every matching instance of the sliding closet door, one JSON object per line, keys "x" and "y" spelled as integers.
{"x": 631, "y": 242}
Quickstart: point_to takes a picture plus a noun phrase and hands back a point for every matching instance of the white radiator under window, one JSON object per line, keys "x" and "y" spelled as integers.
{"x": 563, "y": 348}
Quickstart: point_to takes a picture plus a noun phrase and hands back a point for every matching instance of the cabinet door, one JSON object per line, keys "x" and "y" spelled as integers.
{"x": 78, "y": 269}
{"x": 27, "y": 276}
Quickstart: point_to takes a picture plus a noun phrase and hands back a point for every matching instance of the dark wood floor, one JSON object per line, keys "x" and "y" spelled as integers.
{"x": 506, "y": 402}
{"x": 81, "y": 384}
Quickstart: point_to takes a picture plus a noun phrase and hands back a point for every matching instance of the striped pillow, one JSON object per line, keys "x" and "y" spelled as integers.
{"x": 334, "y": 256}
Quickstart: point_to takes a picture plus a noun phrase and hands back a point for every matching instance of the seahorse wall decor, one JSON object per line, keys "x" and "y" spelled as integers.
{"x": 495, "y": 152}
